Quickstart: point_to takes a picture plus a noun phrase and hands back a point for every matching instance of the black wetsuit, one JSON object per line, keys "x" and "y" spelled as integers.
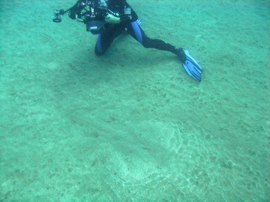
{"x": 131, "y": 26}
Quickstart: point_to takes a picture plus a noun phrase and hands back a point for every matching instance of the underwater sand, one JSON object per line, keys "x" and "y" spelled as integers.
{"x": 131, "y": 125}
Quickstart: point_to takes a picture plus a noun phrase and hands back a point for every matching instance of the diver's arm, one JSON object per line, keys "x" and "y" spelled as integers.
{"x": 112, "y": 18}
{"x": 128, "y": 14}
{"x": 76, "y": 9}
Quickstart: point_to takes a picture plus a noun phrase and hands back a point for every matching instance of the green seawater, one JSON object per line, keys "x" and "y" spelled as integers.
{"x": 131, "y": 125}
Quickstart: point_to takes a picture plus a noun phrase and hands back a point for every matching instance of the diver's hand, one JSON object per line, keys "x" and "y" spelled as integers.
{"x": 72, "y": 14}
{"x": 111, "y": 19}
{"x": 75, "y": 11}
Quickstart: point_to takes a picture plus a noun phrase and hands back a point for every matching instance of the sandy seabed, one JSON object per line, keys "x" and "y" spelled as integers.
{"x": 131, "y": 125}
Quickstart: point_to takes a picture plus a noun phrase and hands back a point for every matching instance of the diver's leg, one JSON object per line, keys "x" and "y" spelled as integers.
{"x": 189, "y": 63}
{"x": 106, "y": 38}
{"x": 137, "y": 33}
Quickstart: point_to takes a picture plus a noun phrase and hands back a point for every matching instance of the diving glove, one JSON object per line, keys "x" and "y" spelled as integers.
{"x": 72, "y": 15}
{"x": 75, "y": 11}
{"x": 115, "y": 18}
{"x": 112, "y": 19}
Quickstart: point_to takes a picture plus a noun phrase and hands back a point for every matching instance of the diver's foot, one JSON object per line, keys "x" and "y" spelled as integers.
{"x": 181, "y": 54}
{"x": 192, "y": 68}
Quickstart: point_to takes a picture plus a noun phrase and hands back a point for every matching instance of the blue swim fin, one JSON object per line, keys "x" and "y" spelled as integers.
{"x": 191, "y": 67}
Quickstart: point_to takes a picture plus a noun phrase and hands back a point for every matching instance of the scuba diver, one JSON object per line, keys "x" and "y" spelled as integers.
{"x": 110, "y": 18}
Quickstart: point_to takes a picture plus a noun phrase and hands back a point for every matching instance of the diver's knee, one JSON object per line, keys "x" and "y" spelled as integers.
{"x": 146, "y": 42}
